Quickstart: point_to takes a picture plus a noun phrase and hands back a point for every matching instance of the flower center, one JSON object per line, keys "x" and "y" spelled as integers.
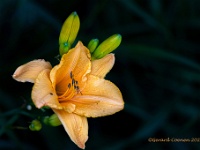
{"x": 72, "y": 89}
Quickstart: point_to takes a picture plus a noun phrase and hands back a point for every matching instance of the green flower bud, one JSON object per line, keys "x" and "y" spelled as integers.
{"x": 35, "y": 125}
{"x": 46, "y": 120}
{"x": 69, "y": 32}
{"x": 52, "y": 120}
{"x": 64, "y": 48}
{"x": 107, "y": 46}
{"x": 92, "y": 45}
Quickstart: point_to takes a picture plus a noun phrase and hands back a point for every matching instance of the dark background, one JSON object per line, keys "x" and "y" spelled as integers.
{"x": 157, "y": 69}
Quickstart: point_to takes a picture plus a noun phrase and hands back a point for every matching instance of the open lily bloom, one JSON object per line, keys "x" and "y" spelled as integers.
{"x": 74, "y": 89}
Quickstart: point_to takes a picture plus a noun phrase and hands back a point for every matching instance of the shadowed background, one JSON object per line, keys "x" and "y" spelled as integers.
{"x": 157, "y": 69}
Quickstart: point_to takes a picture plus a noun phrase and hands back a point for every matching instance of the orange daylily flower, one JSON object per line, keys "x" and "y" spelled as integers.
{"x": 74, "y": 89}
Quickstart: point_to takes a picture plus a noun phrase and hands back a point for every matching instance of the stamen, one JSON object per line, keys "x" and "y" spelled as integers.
{"x": 75, "y": 87}
{"x": 72, "y": 88}
{"x": 63, "y": 98}
{"x": 73, "y": 82}
{"x": 78, "y": 90}
{"x": 69, "y": 85}
{"x": 71, "y": 75}
{"x": 63, "y": 95}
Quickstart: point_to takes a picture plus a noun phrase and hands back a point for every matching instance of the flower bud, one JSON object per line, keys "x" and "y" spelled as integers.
{"x": 64, "y": 48}
{"x": 52, "y": 120}
{"x": 107, "y": 46}
{"x": 35, "y": 125}
{"x": 69, "y": 32}
{"x": 92, "y": 45}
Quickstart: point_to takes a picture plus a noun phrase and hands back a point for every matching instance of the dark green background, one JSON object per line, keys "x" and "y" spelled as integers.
{"x": 157, "y": 69}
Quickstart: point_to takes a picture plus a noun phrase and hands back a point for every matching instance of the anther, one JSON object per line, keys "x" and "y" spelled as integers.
{"x": 69, "y": 85}
{"x": 73, "y": 82}
{"x": 77, "y": 89}
{"x": 71, "y": 75}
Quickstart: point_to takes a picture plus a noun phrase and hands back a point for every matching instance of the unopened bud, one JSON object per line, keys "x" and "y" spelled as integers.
{"x": 52, "y": 120}
{"x": 92, "y": 45}
{"x": 64, "y": 48}
{"x": 107, "y": 46}
{"x": 69, "y": 32}
{"x": 35, "y": 125}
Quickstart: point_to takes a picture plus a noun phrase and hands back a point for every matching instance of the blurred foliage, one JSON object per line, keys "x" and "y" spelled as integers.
{"x": 157, "y": 69}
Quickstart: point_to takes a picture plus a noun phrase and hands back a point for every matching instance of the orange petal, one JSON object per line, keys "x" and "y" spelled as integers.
{"x": 69, "y": 107}
{"x": 76, "y": 62}
{"x": 83, "y": 66}
{"x": 99, "y": 98}
{"x": 100, "y": 67}
{"x": 29, "y": 71}
{"x": 76, "y": 127}
{"x": 43, "y": 93}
